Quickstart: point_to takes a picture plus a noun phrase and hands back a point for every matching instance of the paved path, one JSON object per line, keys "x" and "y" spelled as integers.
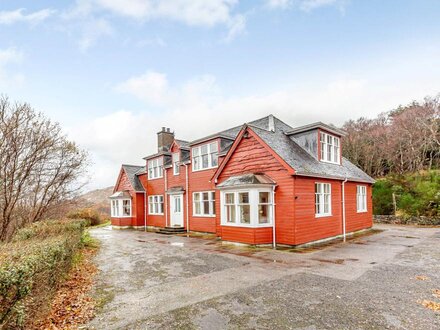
{"x": 155, "y": 281}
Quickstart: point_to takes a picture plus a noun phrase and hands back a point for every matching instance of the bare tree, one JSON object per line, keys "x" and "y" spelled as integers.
{"x": 39, "y": 166}
{"x": 403, "y": 140}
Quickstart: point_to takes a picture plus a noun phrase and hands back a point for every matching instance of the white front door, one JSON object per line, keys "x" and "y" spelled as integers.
{"x": 176, "y": 210}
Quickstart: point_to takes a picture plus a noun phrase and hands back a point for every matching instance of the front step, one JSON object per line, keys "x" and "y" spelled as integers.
{"x": 172, "y": 230}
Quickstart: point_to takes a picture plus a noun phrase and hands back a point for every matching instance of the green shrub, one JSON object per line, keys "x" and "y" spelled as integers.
{"x": 417, "y": 194}
{"x": 383, "y": 197}
{"x": 92, "y": 216}
{"x": 31, "y": 266}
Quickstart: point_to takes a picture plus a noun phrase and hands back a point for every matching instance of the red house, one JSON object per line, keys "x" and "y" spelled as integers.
{"x": 264, "y": 182}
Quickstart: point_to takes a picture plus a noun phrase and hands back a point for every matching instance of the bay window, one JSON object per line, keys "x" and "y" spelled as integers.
{"x": 361, "y": 198}
{"x": 323, "y": 205}
{"x": 155, "y": 168}
{"x": 155, "y": 204}
{"x": 330, "y": 148}
{"x": 247, "y": 208}
{"x": 205, "y": 156}
{"x": 121, "y": 208}
{"x": 204, "y": 203}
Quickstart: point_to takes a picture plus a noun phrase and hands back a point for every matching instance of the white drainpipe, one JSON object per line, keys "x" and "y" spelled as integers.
{"x": 274, "y": 242}
{"x": 145, "y": 211}
{"x": 187, "y": 198}
{"x": 166, "y": 198}
{"x": 343, "y": 209}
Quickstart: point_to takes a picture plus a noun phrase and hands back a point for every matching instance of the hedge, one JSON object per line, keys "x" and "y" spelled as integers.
{"x": 31, "y": 267}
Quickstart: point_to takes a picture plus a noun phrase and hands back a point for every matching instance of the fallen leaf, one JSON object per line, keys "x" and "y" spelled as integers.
{"x": 422, "y": 278}
{"x": 431, "y": 305}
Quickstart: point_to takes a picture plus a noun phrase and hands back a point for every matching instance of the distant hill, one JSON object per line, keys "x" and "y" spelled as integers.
{"x": 96, "y": 199}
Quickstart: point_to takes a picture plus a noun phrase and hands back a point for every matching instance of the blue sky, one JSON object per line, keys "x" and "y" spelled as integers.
{"x": 112, "y": 72}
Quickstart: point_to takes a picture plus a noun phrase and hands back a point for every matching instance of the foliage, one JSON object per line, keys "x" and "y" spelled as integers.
{"x": 31, "y": 267}
{"x": 404, "y": 140}
{"x": 91, "y": 215}
{"x": 40, "y": 167}
{"x": 416, "y": 194}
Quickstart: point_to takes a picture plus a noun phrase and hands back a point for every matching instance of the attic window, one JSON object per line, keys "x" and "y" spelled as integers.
{"x": 155, "y": 168}
{"x": 205, "y": 156}
{"x": 330, "y": 148}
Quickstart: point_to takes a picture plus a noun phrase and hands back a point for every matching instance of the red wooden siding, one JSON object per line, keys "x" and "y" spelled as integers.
{"x": 251, "y": 156}
{"x": 354, "y": 220}
{"x": 200, "y": 181}
{"x": 308, "y": 227}
{"x": 156, "y": 187}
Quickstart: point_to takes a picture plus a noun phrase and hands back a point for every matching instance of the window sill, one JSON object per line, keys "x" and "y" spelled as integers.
{"x": 122, "y": 216}
{"x": 204, "y": 169}
{"x": 323, "y": 215}
{"x": 364, "y": 211}
{"x": 203, "y": 216}
{"x": 328, "y": 162}
{"x": 241, "y": 225}
{"x": 155, "y": 214}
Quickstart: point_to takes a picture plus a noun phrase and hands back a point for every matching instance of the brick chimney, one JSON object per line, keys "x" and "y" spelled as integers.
{"x": 164, "y": 139}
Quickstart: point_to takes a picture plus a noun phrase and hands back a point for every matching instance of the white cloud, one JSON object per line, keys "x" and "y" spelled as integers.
{"x": 306, "y": 5}
{"x": 8, "y": 57}
{"x": 18, "y": 16}
{"x": 92, "y": 30}
{"x": 202, "y": 13}
{"x": 283, "y": 4}
{"x": 309, "y": 5}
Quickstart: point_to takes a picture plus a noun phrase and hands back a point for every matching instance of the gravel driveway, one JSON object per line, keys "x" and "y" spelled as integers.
{"x": 152, "y": 281}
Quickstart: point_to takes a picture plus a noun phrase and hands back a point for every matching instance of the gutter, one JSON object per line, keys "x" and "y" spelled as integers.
{"x": 145, "y": 211}
{"x": 166, "y": 198}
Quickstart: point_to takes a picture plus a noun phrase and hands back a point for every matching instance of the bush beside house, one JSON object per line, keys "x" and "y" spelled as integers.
{"x": 32, "y": 265}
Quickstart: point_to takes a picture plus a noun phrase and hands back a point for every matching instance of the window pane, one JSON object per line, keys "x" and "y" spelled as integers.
{"x": 195, "y": 152}
{"x": 243, "y": 198}
{"x": 214, "y": 159}
{"x": 245, "y": 213}
{"x": 230, "y": 213}
{"x": 196, "y": 163}
{"x": 213, "y": 208}
{"x": 264, "y": 197}
{"x": 196, "y": 196}
{"x": 205, "y": 196}
{"x": 206, "y": 207}
{"x": 205, "y": 160}
{"x": 326, "y": 188}
{"x": 204, "y": 149}
{"x": 197, "y": 208}
{"x": 229, "y": 198}
{"x": 263, "y": 213}
{"x": 213, "y": 147}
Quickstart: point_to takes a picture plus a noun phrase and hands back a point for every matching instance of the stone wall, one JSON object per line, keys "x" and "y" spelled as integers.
{"x": 393, "y": 219}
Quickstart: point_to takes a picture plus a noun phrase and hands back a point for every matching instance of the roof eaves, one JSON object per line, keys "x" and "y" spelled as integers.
{"x": 308, "y": 127}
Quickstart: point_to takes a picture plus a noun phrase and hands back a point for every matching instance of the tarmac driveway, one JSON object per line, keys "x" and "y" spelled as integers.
{"x": 152, "y": 281}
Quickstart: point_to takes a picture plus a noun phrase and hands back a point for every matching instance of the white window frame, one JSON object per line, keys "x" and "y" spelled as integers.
{"x": 155, "y": 204}
{"x": 117, "y": 208}
{"x": 201, "y": 202}
{"x": 361, "y": 199}
{"x": 254, "y": 203}
{"x": 155, "y": 168}
{"x": 330, "y": 143}
{"x": 176, "y": 163}
{"x": 320, "y": 199}
{"x": 197, "y": 156}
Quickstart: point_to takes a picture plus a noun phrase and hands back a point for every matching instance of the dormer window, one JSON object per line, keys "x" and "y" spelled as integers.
{"x": 205, "y": 156}
{"x": 155, "y": 168}
{"x": 176, "y": 163}
{"x": 330, "y": 148}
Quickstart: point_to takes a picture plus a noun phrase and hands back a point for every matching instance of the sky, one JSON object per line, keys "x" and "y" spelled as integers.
{"x": 113, "y": 72}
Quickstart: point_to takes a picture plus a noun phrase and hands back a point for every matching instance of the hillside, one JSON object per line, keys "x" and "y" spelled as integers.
{"x": 96, "y": 199}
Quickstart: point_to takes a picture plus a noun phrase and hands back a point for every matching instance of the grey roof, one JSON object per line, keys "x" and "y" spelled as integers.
{"x": 120, "y": 194}
{"x": 131, "y": 171}
{"x": 308, "y": 127}
{"x": 245, "y": 180}
{"x": 157, "y": 154}
{"x": 232, "y": 133}
{"x": 302, "y": 162}
{"x": 183, "y": 144}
